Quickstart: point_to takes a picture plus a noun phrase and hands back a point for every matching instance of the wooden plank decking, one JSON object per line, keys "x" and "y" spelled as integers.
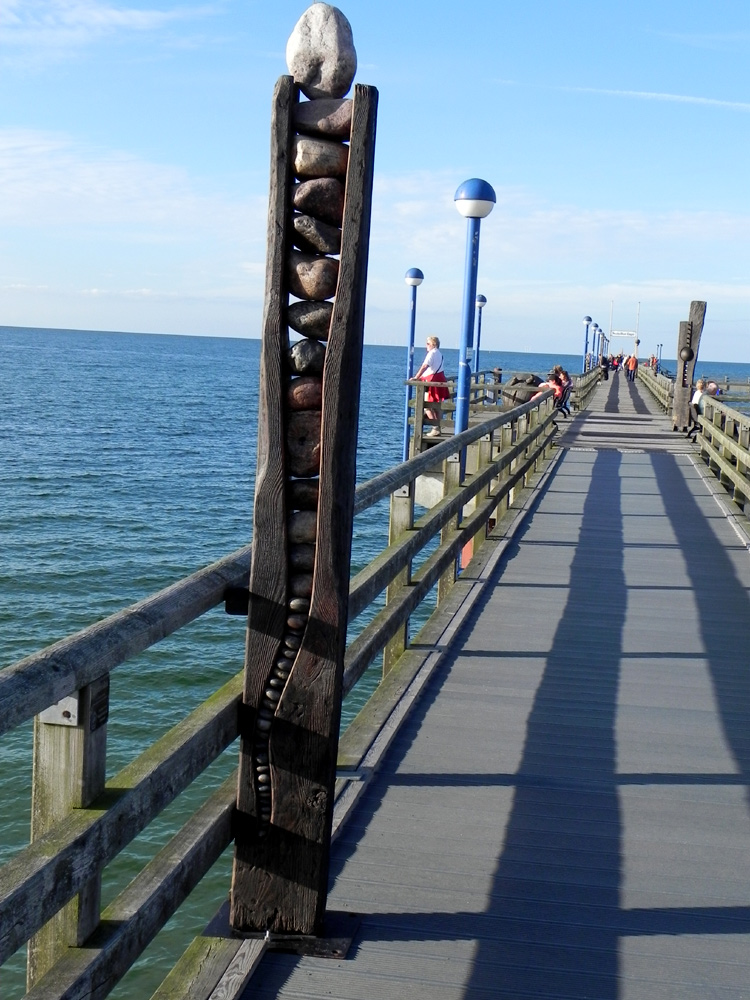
{"x": 566, "y": 814}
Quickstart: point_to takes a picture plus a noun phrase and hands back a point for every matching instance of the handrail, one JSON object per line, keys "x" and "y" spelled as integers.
{"x": 723, "y": 436}
{"x": 44, "y": 678}
{"x": 724, "y": 441}
{"x": 660, "y": 386}
{"x": 499, "y": 455}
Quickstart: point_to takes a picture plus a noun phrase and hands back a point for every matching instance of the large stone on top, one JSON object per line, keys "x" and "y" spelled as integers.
{"x": 327, "y": 118}
{"x": 313, "y": 319}
{"x": 322, "y": 197}
{"x": 312, "y": 277}
{"x": 319, "y": 157}
{"x": 320, "y": 52}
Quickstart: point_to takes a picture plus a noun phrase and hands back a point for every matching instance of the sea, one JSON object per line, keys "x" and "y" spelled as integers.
{"x": 127, "y": 462}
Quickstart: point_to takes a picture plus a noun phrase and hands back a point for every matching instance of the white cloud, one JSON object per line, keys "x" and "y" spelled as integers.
{"x": 647, "y": 95}
{"x": 48, "y": 180}
{"x": 63, "y": 24}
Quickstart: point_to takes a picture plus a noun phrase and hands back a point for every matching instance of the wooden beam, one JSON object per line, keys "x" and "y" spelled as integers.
{"x": 281, "y": 870}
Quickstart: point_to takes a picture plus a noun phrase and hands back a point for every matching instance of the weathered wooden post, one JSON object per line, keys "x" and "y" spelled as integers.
{"x": 69, "y": 771}
{"x": 307, "y": 434}
{"x": 687, "y": 355}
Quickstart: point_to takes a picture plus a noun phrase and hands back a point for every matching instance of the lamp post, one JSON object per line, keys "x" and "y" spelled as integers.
{"x": 474, "y": 199}
{"x": 413, "y": 278}
{"x": 481, "y": 303}
{"x": 595, "y": 342}
{"x": 587, "y": 324}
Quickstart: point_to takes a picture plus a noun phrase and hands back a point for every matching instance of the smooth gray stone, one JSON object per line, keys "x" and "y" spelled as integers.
{"x": 320, "y": 52}
{"x": 307, "y": 357}
{"x": 313, "y": 319}
{"x": 305, "y": 393}
{"x": 301, "y": 585}
{"x": 312, "y": 277}
{"x": 319, "y": 157}
{"x": 322, "y": 197}
{"x": 303, "y": 452}
{"x": 331, "y": 119}
{"x": 302, "y": 557}
{"x": 315, "y": 236}
{"x": 299, "y": 605}
{"x": 302, "y": 494}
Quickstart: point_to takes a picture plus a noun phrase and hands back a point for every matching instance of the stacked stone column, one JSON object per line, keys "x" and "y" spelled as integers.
{"x": 321, "y": 57}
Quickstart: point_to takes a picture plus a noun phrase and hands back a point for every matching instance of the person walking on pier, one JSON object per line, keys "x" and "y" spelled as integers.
{"x": 631, "y": 366}
{"x": 431, "y": 370}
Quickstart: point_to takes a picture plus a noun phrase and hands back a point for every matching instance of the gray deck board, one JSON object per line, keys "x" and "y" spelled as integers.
{"x": 566, "y": 814}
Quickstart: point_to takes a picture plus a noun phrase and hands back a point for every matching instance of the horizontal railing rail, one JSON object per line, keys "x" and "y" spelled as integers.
{"x": 660, "y": 386}
{"x": 71, "y": 846}
{"x": 584, "y": 386}
{"x": 724, "y": 441}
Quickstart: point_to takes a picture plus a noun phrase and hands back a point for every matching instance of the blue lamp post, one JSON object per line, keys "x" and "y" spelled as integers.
{"x": 587, "y": 324}
{"x": 481, "y": 303}
{"x": 413, "y": 278}
{"x": 474, "y": 199}
{"x": 595, "y": 342}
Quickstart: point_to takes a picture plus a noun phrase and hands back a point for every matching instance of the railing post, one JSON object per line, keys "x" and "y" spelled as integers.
{"x": 743, "y": 435}
{"x": 506, "y": 441}
{"x": 416, "y": 441}
{"x": 451, "y": 479}
{"x": 401, "y": 521}
{"x": 69, "y": 771}
{"x": 532, "y": 422}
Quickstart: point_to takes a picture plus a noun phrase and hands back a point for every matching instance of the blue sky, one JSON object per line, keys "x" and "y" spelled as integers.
{"x": 134, "y": 164}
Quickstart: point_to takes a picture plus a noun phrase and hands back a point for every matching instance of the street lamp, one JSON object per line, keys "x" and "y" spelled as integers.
{"x": 481, "y": 303}
{"x": 587, "y": 324}
{"x": 413, "y": 278}
{"x": 595, "y": 341}
{"x": 474, "y": 199}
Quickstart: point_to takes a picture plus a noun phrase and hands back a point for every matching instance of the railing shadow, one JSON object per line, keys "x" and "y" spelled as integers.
{"x": 723, "y": 607}
{"x": 555, "y": 926}
{"x": 554, "y": 920}
{"x": 639, "y": 403}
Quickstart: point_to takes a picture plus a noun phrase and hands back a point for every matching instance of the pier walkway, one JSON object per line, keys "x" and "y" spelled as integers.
{"x": 566, "y": 813}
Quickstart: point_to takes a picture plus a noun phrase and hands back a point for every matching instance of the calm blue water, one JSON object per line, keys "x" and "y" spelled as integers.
{"x": 128, "y": 463}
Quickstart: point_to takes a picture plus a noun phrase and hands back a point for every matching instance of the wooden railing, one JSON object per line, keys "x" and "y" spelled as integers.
{"x": 660, "y": 386}
{"x": 583, "y": 388}
{"x": 485, "y": 394}
{"x": 724, "y": 436}
{"x": 724, "y": 440}
{"x": 50, "y": 891}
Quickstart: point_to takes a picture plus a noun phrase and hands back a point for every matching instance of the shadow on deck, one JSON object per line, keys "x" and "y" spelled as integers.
{"x": 566, "y": 813}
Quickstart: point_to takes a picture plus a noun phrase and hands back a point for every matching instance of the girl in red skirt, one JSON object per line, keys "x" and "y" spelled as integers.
{"x": 432, "y": 371}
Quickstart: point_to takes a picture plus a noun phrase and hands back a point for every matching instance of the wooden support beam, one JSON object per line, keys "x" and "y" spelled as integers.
{"x": 69, "y": 771}
{"x": 281, "y": 866}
